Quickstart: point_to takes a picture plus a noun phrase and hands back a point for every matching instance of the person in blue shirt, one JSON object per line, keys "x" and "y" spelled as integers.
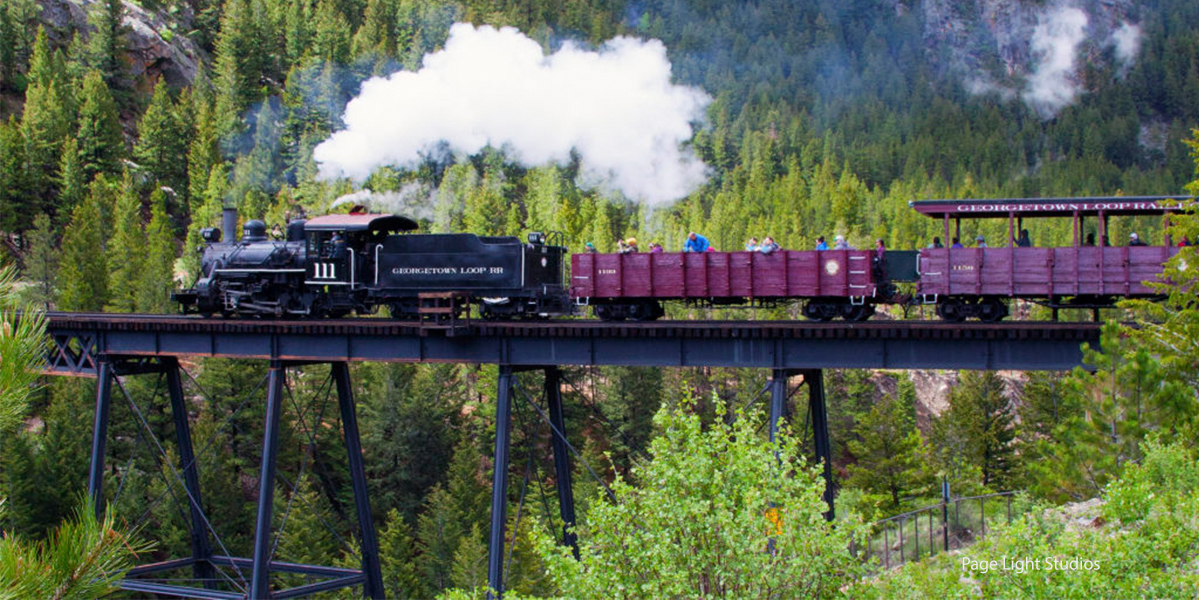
{"x": 821, "y": 245}
{"x": 752, "y": 245}
{"x": 695, "y": 243}
{"x": 768, "y": 245}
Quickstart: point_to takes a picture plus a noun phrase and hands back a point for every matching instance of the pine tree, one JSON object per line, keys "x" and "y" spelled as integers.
{"x": 470, "y": 569}
{"x": 127, "y": 251}
{"x": 155, "y": 280}
{"x": 41, "y": 262}
{"x": 452, "y": 513}
{"x": 101, "y": 143}
{"x": 203, "y": 151}
{"x": 45, "y": 124}
{"x": 240, "y": 66}
{"x": 298, "y": 32}
{"x": 162, "y": 140}
{"x": 982, "y": 415}
{"x": 398, "y": 560}
{"x": 376, "y": 38}
{"x": 331, "y": 35}
{"x": 83, "y": 272}
{"x": 458, "y": 182}
{"x": 107, "y": 44}
{"x": 14, "y": 197}
{"x": 71, "y": 184}
{"x": 305, "y": 537}
{"x": 889, "y": 452}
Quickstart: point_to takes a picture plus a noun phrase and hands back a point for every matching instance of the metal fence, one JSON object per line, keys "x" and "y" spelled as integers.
{"x": 947, "y": 525}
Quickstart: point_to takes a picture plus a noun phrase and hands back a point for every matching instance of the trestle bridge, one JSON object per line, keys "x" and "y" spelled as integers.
{"x": 109, "y": 347}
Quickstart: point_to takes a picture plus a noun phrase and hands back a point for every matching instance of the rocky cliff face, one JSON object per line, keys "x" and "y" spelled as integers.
{"x": 154, "y": 51}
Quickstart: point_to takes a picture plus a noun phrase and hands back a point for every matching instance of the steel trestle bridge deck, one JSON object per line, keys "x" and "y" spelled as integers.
{"x": 751, "y": 344}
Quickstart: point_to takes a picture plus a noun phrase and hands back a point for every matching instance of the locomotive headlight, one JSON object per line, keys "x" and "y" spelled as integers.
{"x": 211, "y": 235}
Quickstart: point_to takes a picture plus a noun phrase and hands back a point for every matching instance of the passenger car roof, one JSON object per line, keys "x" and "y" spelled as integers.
{"x": 360, "y": 222}
{"x": 1049, "y": 207}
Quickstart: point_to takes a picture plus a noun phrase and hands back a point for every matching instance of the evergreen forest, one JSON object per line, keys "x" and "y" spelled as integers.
{"x": 824, "y": 117}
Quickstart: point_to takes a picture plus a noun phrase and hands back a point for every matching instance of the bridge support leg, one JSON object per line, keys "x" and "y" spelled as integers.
{"x": 820, "y": 420}
{"x": 369, "y": 545}
{"x": 779, "y": 397}
{"x": 201, "y": 550}
{"x": 100, "y": 436}
{"x": 562, "y": 458}
{"x": 260, "y": 585}
{"x": 500, "y": 482}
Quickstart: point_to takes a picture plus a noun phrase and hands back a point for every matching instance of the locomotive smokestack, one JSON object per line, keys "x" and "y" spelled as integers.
{"x": 229, "y": 224}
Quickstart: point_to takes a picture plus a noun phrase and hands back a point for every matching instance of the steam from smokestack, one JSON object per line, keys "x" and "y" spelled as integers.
{"x": 616, "y": 108}
{"x": 1052, "y": 85}
{"x": 412, "y": 200}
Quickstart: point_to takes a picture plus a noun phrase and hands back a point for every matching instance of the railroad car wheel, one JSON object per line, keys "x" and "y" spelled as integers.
{"x": 952, "y": 310}
{"x": 992, "y": 310}
{"x": 822, "y": 311}
{"x": 861, "y": 312}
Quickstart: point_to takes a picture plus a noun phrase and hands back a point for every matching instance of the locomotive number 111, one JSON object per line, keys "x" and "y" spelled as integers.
{"x": 324, "y": 270}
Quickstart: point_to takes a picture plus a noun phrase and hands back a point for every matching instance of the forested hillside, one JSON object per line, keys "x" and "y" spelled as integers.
{"x": 125, "y": 128}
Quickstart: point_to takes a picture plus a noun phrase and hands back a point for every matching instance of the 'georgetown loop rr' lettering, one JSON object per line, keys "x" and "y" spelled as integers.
{"x": 1063, "y": 206}
{"x": 448, "y": 271}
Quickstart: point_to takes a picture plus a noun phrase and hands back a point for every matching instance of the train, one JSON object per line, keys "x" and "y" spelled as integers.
{"x": 339, "y": 264}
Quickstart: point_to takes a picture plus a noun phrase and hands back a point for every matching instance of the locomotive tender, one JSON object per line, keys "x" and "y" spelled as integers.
{"x": 338, "y": 264}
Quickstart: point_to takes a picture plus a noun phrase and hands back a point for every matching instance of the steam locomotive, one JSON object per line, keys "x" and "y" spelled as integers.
{"x": 333, "y": 265}
{"x": 338, "y": 264}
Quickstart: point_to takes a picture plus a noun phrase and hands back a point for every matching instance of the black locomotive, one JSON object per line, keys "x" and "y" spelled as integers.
{"x": 338, "y": 264}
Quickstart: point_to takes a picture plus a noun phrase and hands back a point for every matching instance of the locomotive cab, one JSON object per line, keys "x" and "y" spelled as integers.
{"x": 341, "y": 255}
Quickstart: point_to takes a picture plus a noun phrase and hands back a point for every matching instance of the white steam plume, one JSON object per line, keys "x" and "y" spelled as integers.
{"x": 412, "y": 200}
{"x": 1052, "y": 85}
{"x": 616, "y": 108}
{"x": 1126, "y": 41}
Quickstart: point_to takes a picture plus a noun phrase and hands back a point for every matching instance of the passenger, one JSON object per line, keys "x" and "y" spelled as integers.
{"x": 880, "y": 256}
{"x": 1023, "y": 239}
{"x": 937, "y": 242}
{"x": 821, "y": 245}
{"x": 979, "y": 243}
{"x": 621, "y": 249}
{"x": 631, "y": 245}
{"x": 277, "y": 232}
{"x": 954, "y": 243}
{"x": 768, "y": 245}
{"x": 655, "y": 248}
{"x": 880, "y": 249}
{"x": 752, "y": 245}
{"x": 695, "y": 243}
{"x": 1185, "y": 242}
{"x": 839, "y": 243}
{"x": 1134, "y": 240}
{"x": 591, "y": 248}
{"x": 1090, "y": 240}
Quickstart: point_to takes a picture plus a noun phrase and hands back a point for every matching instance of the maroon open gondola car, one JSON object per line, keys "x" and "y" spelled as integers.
{"x": 962, "y": 282}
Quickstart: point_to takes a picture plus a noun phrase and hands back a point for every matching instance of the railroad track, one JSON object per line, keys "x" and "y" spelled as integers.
{"x": 878, "y": 329}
